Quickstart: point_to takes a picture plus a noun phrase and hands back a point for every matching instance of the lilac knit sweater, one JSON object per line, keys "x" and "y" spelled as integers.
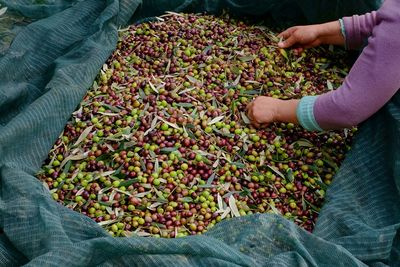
{"x": 375, "y": 76}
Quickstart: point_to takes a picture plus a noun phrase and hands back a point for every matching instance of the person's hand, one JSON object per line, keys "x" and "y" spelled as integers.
{"x": 263, "y": 110}
{"x": 300, "y": 36}
{"x": 312, "y": 35}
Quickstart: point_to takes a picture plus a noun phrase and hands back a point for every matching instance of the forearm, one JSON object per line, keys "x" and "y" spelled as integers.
{"x": 330, "y": 33}
{"x": 358, "y": 28}
{"x": 298, "y": 112}
{"x": 373, "y": 79}
{"x": 354, "y": 33}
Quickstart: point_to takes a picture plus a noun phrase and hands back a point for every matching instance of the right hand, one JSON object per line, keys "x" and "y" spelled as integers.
{"x": 300, "y": 36}
{"x": 263, "y": 110}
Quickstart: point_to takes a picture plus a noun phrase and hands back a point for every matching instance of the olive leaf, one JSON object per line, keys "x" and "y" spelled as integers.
{"x": 83, "y": 135}
{"x": 290, "y": 176}
{"x": 153, "y": 87}
{"x": 104, "y": 223}
{"x": 173, "y": 125}
{"x": 154, "y": 205}
{"x": 284, "y": 53}
{"x": 303, "y": 143}
{"x": 237, "y": 80}
{"x": 194, "y": 80}
{"x": 3, "y": 11}
{"x": 73, "y": 157}
{"x": 112, "y": 108}
{"x": 225, "y": 213}
{"x": 129, "y": 182}
{"x": 187, "y": 200}
{"x": 329, "y": 85}
{"x": 245, "y": 118}
{"x": 233, "y": 207}
{"x": 168, "y": 66}
{"x": 274, "y": 169}
{"x": 207, "y": 49}
{"x": 168, "y": 149}
{"x": 216, "y": 119}
{"x": 153, "y": 125}
{"x": 274, "y": 209}
{"x": 140, "y": 195}
{"x": 219, "y": 200}
{"x": 185, "y": 105}
{"x": 210, "y": 179}
{"x": 247, "y": 58}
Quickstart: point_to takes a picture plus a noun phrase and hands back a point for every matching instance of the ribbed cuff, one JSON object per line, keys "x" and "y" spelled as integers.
{"x": 305, "y": 114}
{"x": 343, "y": 30}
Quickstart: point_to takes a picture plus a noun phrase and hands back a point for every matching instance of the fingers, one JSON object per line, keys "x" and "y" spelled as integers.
{"x": 259, "y": 125}
{"x": 288, "y": 35}
{"x": 288, "y": 42}
{"x": 250, "y": 115}
{"x": 285, "y": 34}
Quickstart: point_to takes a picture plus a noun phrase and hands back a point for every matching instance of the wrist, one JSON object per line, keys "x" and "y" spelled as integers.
{"x": 286, "y": 110}
{"x": 321, "y": 32}
{"x": 330, "y": 33}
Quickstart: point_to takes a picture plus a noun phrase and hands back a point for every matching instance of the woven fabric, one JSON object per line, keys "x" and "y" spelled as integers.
{"x": 44, "y": 75}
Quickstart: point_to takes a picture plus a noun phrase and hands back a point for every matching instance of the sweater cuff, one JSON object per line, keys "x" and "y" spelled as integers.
{"x": 343, "y": 30}
{"x": 305, "y": 114}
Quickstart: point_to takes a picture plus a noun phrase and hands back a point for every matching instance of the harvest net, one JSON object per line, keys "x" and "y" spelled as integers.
{"x": 44, "y": 75}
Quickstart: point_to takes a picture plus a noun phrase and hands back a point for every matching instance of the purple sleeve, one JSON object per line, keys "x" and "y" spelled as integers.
{"x": 372, "y": 81}
{"x": 358, "y": 29}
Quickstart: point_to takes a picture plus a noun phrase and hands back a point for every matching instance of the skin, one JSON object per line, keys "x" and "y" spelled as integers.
{"x": 264, "y": 110}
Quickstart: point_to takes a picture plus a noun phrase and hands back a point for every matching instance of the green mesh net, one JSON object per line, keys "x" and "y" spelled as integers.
{"x": 46, "y": 70}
